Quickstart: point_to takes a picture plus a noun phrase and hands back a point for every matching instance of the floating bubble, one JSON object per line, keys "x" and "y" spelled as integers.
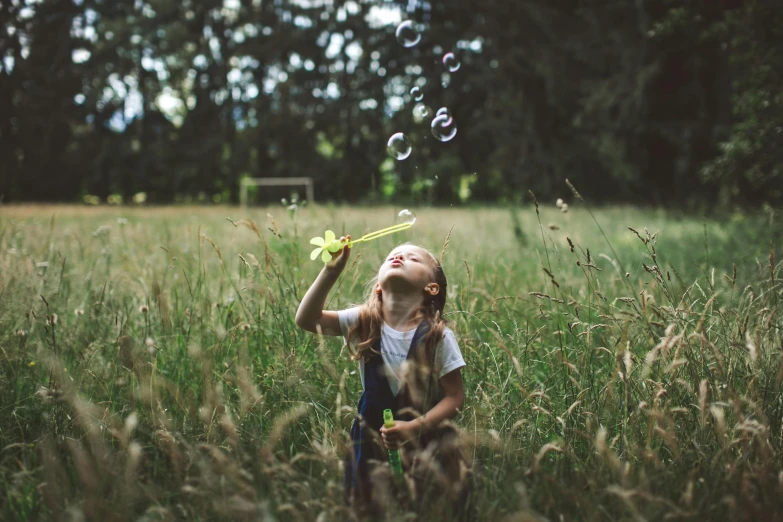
{"x": 443, "y": 111}
{"x": 444, "y": 128}
{"x": 407, "y": 34}
{"x": 406, "y": 216}
{"x": 399, "y": 146}
{"x": 421, "y": 112}
{"x": 450, "y": 62}
{"x": 416, "y": 93}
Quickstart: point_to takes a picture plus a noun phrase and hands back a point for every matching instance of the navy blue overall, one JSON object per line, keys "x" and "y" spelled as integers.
{"x": 377, "y": 397}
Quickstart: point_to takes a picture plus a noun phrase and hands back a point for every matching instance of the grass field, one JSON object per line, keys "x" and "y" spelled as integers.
{"x": 150, "y": 367}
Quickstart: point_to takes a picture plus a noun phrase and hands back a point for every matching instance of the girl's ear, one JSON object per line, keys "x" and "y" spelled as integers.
{"x": 432, "y": 288}
{"x": 378, "y": 289}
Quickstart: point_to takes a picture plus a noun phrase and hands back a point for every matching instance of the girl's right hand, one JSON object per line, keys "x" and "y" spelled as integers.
{"x": 340, "y": 258}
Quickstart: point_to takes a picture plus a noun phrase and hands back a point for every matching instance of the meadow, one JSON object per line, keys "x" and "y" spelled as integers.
{"x": 150, "y": 367}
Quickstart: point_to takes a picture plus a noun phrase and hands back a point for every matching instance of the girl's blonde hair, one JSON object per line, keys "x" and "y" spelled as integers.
{"x": 367, "y": 329}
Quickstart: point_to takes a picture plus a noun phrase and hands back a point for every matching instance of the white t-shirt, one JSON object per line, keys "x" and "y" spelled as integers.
{"x": 395, "y": 346}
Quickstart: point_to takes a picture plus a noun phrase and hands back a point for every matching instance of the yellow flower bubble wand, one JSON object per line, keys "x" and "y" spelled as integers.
{"x": 329, "y": 244}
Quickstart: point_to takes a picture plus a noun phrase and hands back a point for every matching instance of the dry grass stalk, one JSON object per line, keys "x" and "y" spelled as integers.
{"x": 703, "y": 389}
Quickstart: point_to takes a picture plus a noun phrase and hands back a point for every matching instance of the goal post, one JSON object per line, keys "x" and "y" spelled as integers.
{"x": 275, "y": 182}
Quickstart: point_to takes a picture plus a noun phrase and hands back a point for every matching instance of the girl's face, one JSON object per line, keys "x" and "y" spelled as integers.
{"x": 406, "y": 268}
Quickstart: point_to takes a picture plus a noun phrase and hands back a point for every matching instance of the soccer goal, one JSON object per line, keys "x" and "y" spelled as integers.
{"x": 307, "y": 183}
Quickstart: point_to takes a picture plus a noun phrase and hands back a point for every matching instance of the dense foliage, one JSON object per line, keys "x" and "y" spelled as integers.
{"x": 660, "y": 102}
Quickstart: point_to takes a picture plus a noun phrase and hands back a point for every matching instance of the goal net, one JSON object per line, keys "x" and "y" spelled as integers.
{"x": 307, "y": 183}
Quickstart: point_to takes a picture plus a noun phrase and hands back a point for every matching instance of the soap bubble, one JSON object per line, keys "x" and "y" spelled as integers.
{"x": 443, "y": 111}
{"x": 399, "y": 146}
{"x": 450, "y": 62}
{"x": 416, "y": 93}
{"x": 421, "y": 112}
{"x": 444, "y": 128}
{"x": 406, "y": 216}
{"x": 407, "y": 34}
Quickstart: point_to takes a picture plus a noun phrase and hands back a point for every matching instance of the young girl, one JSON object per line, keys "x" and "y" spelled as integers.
{"x": 410, "y": 363}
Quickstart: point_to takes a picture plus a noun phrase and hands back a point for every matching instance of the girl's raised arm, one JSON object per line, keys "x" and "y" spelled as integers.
{"x": 311, "y": 315}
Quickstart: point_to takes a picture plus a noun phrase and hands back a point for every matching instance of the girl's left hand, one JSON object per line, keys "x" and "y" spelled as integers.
{"x": 398, "y": 434}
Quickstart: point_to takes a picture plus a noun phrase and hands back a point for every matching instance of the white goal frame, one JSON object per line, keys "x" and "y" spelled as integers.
{"x": 275, "y": 182}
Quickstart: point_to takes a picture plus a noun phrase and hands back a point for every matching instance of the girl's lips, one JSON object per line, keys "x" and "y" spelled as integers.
{"x": 396, "y": 263}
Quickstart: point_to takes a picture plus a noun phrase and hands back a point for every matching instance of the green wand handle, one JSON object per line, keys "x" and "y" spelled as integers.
{"x": 394, "y": 455}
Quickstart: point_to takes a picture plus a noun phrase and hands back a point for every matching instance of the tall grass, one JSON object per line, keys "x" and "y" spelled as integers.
{"x": 151, "y": 368}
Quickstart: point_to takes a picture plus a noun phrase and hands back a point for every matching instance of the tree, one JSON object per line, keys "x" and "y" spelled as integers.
{"x": 667, "y": 103}
{"x": 750, "y": 164}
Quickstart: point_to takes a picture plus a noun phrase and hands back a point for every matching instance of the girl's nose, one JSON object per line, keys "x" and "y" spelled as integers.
{"x": 398, "y": 256}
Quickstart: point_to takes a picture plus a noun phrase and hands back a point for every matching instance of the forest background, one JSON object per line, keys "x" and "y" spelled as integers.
{"x": 674, "y": 103}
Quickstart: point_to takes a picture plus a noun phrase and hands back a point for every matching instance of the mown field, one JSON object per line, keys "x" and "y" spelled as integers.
{"x": 150, "y": 367}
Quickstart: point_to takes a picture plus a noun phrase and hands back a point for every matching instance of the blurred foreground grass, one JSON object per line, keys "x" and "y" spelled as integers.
{"x": 151, "y": 368}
